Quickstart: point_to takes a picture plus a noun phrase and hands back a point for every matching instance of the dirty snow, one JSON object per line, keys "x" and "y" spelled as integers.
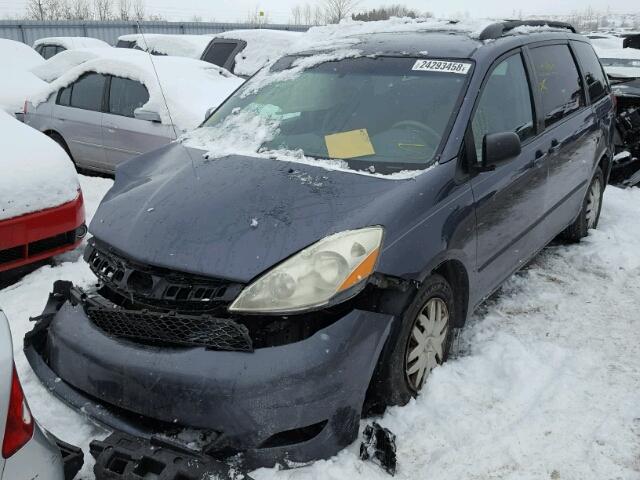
{"x": 16, "y": 81}
{"x": 190, "y": 86}
{"x": 72, "y": 42}
{"x": 36, "y": 171}
{"x": 263, "y": 45}
{"x": 192, "y": 46}
{"x": 544, "y": 382}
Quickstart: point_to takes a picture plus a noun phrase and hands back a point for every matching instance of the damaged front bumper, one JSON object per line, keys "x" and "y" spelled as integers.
{"x": 290, "y": 403}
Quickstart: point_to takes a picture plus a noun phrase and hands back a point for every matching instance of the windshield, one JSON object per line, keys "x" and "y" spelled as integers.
{"x": 385, "y": 114}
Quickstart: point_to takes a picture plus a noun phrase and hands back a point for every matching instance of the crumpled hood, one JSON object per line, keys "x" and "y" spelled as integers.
{"x": 232, "y": 217}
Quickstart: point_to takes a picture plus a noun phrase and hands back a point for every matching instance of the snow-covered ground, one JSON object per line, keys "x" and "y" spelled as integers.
{"x": 545, "y": 382}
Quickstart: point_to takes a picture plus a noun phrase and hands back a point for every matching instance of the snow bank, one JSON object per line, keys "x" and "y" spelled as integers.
{"x": 72, "y": 42}
{"x": 36, "y": 171}
{"x": 16, "y": 82}
{"x": 263, "y": 45}
{"x": 192, "y": 46}
{"x": 190, "y": 86}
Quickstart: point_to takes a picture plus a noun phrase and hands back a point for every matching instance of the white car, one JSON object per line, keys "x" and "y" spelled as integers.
{"x": 51, "y": 46}
{"x": 28, "y": 452}
{"x": 110, "y": 109}
{"x": 620, "y": 62}
{"x": 242, "y": 52}
{"x": 16, "y": 80}
{"x": 605, "y": 41}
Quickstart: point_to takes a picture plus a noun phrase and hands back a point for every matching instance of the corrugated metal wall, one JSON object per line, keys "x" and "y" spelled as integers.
{"x": 28, "y": 31}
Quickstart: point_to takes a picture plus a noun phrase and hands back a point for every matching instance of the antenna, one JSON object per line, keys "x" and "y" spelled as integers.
{"x": 164, "y": 99}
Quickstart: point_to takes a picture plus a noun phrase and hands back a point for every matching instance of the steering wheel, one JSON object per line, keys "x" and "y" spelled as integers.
{"x": 435, "y": 136}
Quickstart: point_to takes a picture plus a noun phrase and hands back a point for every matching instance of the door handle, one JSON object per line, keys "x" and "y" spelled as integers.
{"x": 555, "y": 146}
{"x": 539, "y": 156}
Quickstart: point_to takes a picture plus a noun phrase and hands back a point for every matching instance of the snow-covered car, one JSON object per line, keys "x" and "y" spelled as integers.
{"x": 41, "y": 205}
{"x": 16, "y": 80}
{"x": 623, "y": 69}
{"x": 242, "y": 52}
{"x": 51, "y": 46}
{"x": 110, "y": 109}
{"x": 28, "y": 451}
{"x": 605, "y": 41}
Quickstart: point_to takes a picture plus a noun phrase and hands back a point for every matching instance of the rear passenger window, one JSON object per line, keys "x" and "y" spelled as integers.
{"x": 126, "y": 95}
{"x": 219, "y": 53}
{"x": 65, "y": 97}
{"x": 558, "y": 82}
{"x": 87, "y": 92}
{"x": 505, "y": 104}
{"x": 596, "y": 81}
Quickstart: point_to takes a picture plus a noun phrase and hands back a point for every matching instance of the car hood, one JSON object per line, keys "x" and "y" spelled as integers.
{"x": 232, "y": 217}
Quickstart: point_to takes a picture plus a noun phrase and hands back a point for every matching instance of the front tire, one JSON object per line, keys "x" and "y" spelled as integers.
{"x": 421, "y": 344}
{"x": 590, "y": 212}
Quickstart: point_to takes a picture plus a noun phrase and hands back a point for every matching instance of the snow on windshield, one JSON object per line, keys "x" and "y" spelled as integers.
{"x": 36, "y": 172}
{"x": 191, "y": 46}
{"x": 72, "y": 42}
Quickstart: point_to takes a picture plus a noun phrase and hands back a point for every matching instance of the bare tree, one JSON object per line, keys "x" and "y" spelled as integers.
{"x": 124, "y": 9}
{"x": 307, "y": 14}
{"x": 318, "y": 16}
{"x": 138, "y": 10}
{"x": 337, "y": 10}
{"x": 81, "y": 10}
{"x": 35, "y": 9}
{"x": 296, "y": 15}
{"x": 103, "y": 9}
{"x": 54, "y": 9}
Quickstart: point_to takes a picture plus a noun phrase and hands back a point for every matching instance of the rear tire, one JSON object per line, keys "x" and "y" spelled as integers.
{"x": 422, "y": 343}
{"x": 590, "y": 212}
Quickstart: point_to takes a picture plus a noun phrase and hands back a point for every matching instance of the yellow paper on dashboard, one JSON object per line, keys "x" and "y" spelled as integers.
{"x": 351, "y": 144}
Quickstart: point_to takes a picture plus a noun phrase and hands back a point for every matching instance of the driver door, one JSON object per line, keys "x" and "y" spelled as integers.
{"x": 510, "y": 200}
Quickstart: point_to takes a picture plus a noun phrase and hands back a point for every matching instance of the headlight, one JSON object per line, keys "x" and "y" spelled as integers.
{"x": 315, "y": 275}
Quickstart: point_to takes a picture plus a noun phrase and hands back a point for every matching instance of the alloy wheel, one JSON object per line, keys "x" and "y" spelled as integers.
{"x": 426, "y": 345}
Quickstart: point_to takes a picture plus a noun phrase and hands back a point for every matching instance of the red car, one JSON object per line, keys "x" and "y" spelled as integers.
{"x": 41, "y": 205}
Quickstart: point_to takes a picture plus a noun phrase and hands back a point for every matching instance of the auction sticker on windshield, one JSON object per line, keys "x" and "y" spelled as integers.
{"x": 442, "y": 66}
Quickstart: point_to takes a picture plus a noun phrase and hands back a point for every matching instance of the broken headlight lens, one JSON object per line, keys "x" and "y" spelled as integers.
{"x": 312, "y": 277}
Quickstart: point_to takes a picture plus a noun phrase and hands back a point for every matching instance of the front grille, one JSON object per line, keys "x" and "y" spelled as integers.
{"x": 51, "y": 243}
{"x": 11, "y": 254}
{"x": 172, "y": 328}
{"x": 155, "y": 287}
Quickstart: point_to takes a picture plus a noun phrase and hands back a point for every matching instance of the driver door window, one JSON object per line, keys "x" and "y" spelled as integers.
{"x": 505, "y": 104}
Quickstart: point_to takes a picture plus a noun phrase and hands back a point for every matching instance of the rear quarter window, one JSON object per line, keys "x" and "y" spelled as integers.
{"x": 557, "y": 82}
{"x": 593, "y": 73}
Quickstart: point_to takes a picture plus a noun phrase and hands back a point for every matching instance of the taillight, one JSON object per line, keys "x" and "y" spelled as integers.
{"x": 19, "y": 428}
{"x": 24, "y": 107}
{"x": 614, "y": 100}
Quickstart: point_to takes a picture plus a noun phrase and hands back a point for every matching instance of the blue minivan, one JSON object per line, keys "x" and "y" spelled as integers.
{"x": 306, "y": 254}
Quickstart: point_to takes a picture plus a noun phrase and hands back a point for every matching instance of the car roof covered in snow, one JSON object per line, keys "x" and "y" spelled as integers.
{"x": 16, "y": 81}
{"x": 191, "y": 46}
{"x": 61, "y": 63}
{"x": 430, "y": 38}
{"x": 72, "y": 42}
{"x": 190, "y": 87}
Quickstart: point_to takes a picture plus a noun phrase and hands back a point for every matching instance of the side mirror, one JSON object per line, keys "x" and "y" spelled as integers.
{"x": 497, "y": 148}
{"x": 209, "y": 112}
{"x": 148, "y": 115}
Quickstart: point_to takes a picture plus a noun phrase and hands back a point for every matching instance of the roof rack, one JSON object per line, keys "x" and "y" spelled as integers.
{"x": 498, "y": 29}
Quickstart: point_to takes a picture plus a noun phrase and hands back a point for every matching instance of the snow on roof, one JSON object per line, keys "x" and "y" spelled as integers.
{"x": 624, "y": 53}
{"x": 606, "y": 41}
{"x": 72, "y": 42}
{"x": 36, "y": 171}
{"x": 17, "y": 55}
{"x": 16, "y": 82}
{"x": 61, "y": 63}
{"x": 190, "y": 86}
{"x": 263, "y": 45}
{"x": 191, "y": 46}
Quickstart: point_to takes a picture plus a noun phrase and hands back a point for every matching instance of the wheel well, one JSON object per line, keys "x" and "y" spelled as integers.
{"x": 65, "y": 146}
{"x": 604, "y": 164}
{"x": 455, "y": 273}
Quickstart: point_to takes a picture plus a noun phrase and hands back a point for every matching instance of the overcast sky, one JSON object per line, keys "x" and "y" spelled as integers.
{"x": 279, "y": 10}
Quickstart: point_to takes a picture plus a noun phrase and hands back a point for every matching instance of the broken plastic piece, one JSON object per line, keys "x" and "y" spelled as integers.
{"x": 352, "y": 144}
{"x": 379, "y": 445}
